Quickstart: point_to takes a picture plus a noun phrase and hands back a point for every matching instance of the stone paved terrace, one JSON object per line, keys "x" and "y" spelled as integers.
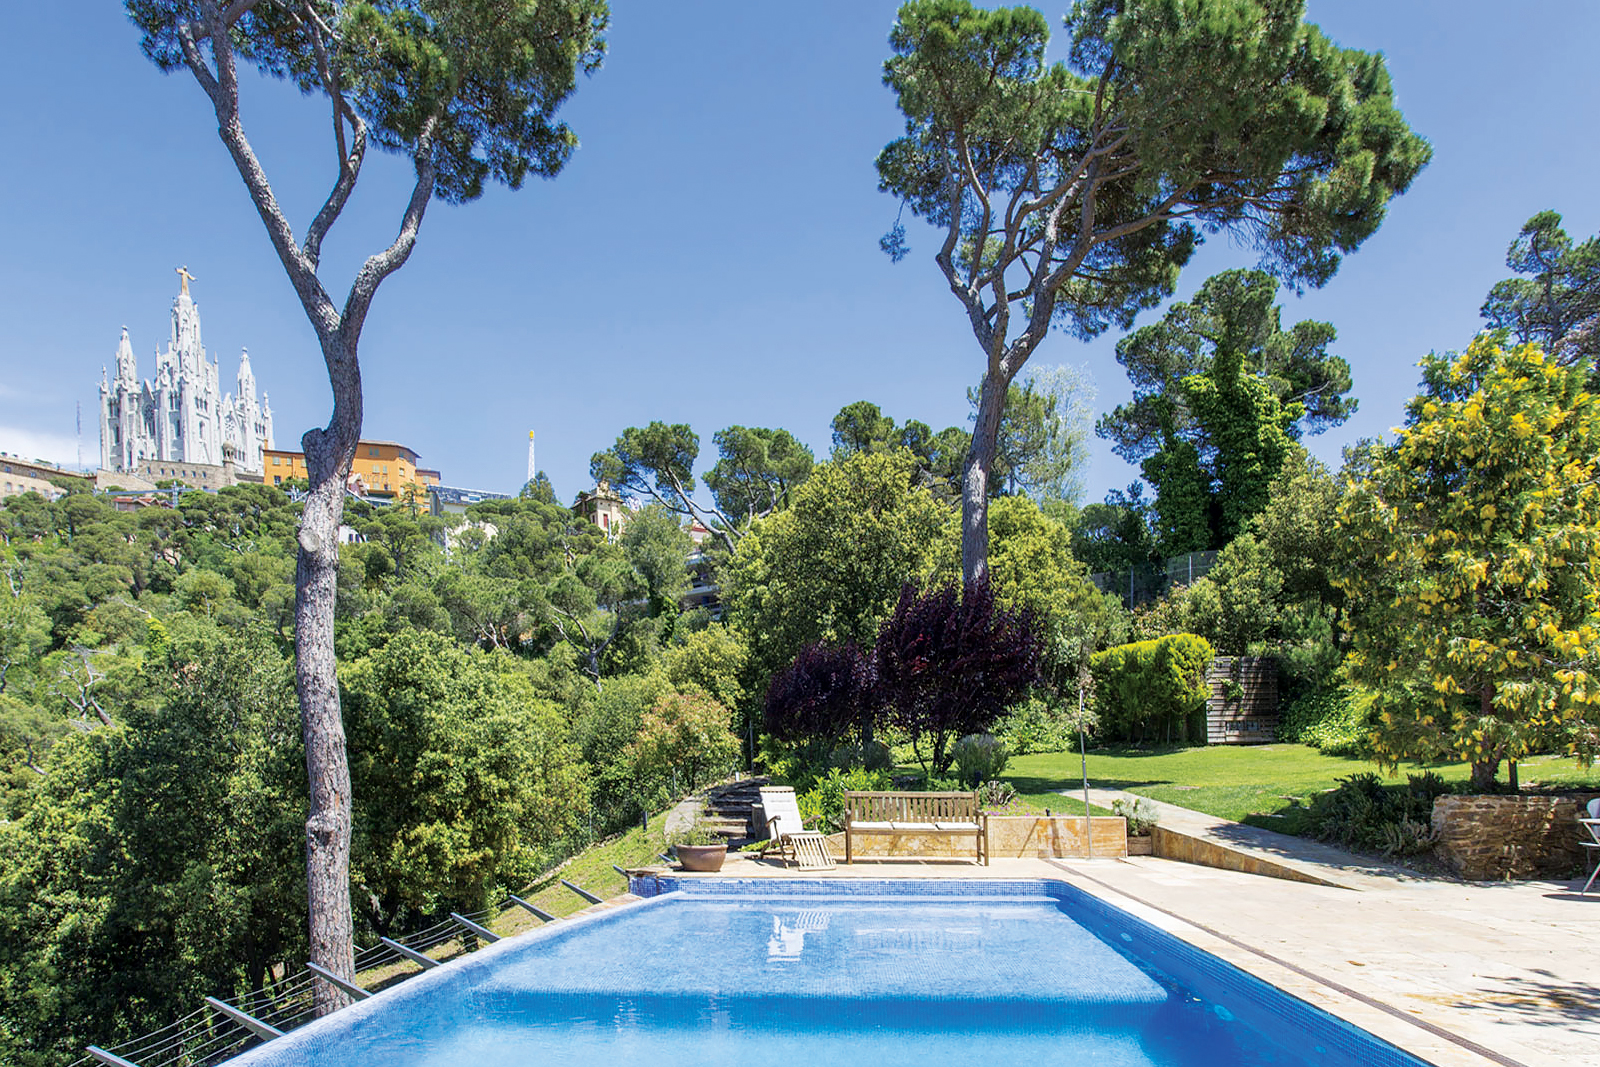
{"x": 1438, "y": 967}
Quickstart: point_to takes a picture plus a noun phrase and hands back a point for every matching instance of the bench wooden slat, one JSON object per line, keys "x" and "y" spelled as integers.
{"x": 946, "y": 814}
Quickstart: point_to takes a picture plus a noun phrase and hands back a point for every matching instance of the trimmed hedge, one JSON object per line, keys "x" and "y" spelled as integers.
{"x": 1153, "y": 690}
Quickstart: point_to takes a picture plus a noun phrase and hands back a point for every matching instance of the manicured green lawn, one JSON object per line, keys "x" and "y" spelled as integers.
{"x": 1255, "y": 784}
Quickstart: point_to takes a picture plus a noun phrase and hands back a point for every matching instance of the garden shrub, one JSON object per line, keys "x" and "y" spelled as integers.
{"x": 1140, "y": 813}
{"x": 870, "y": 755}
{"x": 978, "y": 758}
{"x": 996, "y": 796}
{"x": 1153, "y": 690}
{"x": 1036, "y": 725}
{"x": 1364, "y": 813}
{"x": 1333, "y": 721}
{"x": 822, "y": 808}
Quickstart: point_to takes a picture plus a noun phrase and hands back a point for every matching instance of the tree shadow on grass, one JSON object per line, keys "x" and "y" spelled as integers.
{"x": 1027, "y": 784}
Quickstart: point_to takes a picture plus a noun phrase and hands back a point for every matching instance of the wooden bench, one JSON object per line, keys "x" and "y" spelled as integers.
{"x": 921, "y": 814}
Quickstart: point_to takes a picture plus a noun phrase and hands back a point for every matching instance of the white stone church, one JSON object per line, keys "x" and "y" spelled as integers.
{"x": 181, "y": 416}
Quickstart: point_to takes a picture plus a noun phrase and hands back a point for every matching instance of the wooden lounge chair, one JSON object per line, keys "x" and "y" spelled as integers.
{"x": 1592, "y": 824}
{"x": 807, "y": 849}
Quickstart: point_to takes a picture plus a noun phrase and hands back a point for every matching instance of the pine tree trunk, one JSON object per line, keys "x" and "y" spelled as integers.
{"x": 332, "y": 941}
{"x": 975, "y": 479}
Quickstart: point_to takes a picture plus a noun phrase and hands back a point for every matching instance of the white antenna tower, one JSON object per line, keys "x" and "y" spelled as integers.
{"x": 78, "y": 415}
{"x": 532, "y": 469}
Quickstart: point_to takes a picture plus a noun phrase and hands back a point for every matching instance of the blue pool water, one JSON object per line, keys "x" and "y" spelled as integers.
{"x": 879, "y": 974}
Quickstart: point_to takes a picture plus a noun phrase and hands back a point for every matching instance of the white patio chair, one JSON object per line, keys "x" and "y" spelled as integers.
{"x": 1592, "y": 824}
{"x": 807, "y": 848}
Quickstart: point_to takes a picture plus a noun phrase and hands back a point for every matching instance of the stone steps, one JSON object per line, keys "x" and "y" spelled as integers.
{"x": 727, "y": 807}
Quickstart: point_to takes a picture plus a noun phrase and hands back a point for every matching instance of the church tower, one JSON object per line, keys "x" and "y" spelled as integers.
{"x": 181, "y": 416}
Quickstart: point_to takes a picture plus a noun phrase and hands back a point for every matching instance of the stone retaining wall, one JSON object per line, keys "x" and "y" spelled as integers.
{"x": 1010, "y": 837}
{"x": 1490, "y": 838}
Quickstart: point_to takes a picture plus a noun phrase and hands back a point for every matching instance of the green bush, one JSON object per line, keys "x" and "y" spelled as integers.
{"x": 1140, "y": 813}
{"x": 996, "y": 796}
{"x": 684, "y": 742}
{"x": 1333, "y": 721}
{"x": 870, "y": 755}
{"x": 1152, "y": 690}
{"x": 1363, "y": 813}
{"x": 823, "y": 807}
{"x": 1035, "y": 725}
{"x": 978, "y": 758}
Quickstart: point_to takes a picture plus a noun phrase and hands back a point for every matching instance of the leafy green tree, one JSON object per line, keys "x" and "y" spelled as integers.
{"x": 685, "y": 741}
{"x": 1114, "y": 538}
{"x": 753, "y": 477}
{"x": 830, "y": 567}
{"x": 658, "y": 547}
{"x": 468, "y": 98}
{"x": 1071, "y": 193}
{"x": 604, "y": 728}
{"x": 1556, "y": 302}
{"x": 711, "y": 661}
{"x": 157, "y": 862}
{"x": 1043, "y": 448}
{"x": 862, "y": 427}
{"x": 1240, "y": 601}
{"x": 756, "y": 471}
{"x": 539, "y": 488}
{"x": 465, "y": 782}
{"x": 1474, "y": 565}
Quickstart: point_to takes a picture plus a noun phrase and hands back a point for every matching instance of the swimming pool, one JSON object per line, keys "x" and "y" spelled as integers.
{"x": 871, "y": 972}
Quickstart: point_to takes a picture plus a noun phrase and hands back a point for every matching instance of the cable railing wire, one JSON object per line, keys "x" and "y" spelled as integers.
{"x": 205, "y": 1036}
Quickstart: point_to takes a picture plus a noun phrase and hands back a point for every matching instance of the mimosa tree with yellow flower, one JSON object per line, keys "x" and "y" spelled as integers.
{"x": 1474, "y": 565}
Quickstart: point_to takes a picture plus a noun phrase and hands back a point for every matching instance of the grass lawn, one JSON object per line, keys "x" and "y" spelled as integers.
{"x": 1255, "y": 784}
{"x": 591, "y": 869}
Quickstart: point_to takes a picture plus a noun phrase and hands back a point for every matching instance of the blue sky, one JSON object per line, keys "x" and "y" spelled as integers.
{"x": 710, "y": 254}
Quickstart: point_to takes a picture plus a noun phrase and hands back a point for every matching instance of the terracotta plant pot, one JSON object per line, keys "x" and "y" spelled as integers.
{"x": 1139, "y": 846}
{"x": 702, "y": 857}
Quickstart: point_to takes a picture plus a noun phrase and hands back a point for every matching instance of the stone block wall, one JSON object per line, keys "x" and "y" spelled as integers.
{"x": 1489, "y": 838}
{"x": 1010, "y": 837}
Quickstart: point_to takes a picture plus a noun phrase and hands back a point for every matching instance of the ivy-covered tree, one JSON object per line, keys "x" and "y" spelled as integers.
{"x": 1473, "y": 573}
{"x": 1071, "y": 193}
{"x": 469, "y": 95}
{"x": 1220, "y": 391}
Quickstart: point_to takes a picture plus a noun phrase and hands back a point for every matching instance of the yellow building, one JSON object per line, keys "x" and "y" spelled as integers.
{"x": 385, "y": 469}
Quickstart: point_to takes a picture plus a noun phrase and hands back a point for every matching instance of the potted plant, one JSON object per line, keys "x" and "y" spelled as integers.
{"x": 1141, "y": 816}
{"x": 700, "y": 848}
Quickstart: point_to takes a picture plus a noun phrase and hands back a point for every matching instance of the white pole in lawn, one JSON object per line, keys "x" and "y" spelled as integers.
{"x": 1083, "y": 759}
